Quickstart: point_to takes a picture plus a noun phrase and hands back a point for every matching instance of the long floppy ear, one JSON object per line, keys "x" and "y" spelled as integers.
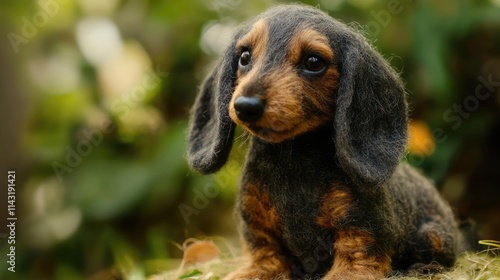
{"x": 211, "y": 130}
{"x": 371, "y": 114}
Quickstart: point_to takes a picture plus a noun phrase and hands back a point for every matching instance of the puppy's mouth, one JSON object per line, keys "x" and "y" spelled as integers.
{"x": 269, "y": 134}
{"x": 265, "y": 121}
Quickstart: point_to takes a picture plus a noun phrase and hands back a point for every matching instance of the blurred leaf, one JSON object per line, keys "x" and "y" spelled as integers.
{"x": 429, "y": 47}
{"x": 157, "y": 243}
{"x": 54, "y": 117}
{"x": 190, "y": 274}
{"x": 66, "y": 272}
{"x": 105, "y": 188}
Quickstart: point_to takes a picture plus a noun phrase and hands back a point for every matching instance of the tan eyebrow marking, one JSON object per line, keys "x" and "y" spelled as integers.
{"x": 310, "y": 40}
{"x": 256, "y": 40}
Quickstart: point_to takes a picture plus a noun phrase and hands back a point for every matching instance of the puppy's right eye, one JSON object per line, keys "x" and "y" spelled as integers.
{"x": 245, "y": 58}
{"x": 314, "y": 64}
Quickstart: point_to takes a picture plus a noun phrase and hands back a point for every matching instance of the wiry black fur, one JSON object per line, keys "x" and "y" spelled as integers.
{"x": 361, "y": 148}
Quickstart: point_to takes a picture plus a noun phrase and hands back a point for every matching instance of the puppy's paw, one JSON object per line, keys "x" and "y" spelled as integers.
{"x": 420, "y": 269}
{"x": 354, "y": 275}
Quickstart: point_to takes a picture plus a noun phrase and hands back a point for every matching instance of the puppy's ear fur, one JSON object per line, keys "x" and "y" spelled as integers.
{"x": 211, "y": 130}
{"x": 371, "y": 113}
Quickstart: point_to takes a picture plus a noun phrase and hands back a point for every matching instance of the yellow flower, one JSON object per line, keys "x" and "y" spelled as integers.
{"x": 421, "y": 142}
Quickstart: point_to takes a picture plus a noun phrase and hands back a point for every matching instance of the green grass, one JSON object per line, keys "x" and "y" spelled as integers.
{"x": 470, "y": 266}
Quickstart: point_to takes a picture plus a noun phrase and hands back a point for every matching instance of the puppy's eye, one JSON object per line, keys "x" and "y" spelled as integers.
{"x": 245, "y": 58}
{"x": 314, "y": 64}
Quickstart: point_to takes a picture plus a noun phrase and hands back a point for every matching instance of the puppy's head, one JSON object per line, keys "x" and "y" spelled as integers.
{"x": 286, "y": 79}
{"x": 294, "y": 69}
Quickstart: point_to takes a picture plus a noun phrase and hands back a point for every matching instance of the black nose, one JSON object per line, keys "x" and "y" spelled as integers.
{"x": 249, "y": 109}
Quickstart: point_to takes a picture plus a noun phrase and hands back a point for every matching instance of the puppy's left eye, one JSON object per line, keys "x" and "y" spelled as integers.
{"x": 245, "y": 58}
{"x": 314, "y": 64}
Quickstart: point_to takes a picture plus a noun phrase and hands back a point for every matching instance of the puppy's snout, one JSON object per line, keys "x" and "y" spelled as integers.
{"x": 249, "y": 109}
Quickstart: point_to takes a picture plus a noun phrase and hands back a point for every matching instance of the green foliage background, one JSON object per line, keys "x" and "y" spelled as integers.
{"x": 117, "y": 210}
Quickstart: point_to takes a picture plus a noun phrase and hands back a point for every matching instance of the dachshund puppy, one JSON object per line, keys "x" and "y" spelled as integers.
{"x": 323, "y": 192}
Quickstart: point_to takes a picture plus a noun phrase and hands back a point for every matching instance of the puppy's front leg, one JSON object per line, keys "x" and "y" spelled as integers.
{"x": 356, "y": 259}
{"x": 260, "y": 231}
{"x": 266, "y": 262}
